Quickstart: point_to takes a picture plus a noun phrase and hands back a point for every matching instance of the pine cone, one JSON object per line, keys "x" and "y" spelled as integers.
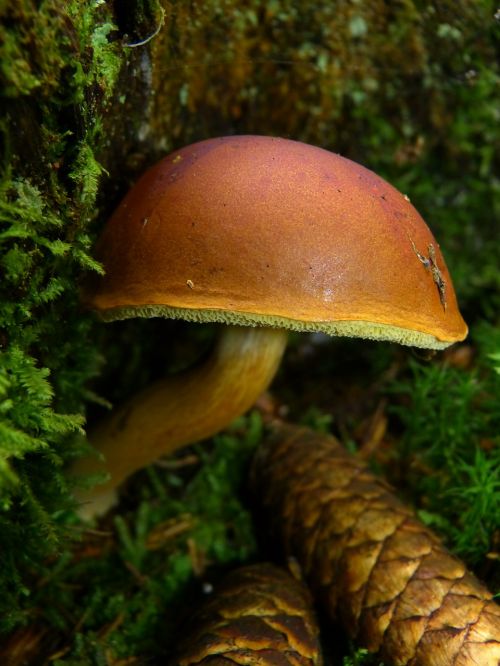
{"x": 370, "y": 562}
{"x": 260, "y": 615}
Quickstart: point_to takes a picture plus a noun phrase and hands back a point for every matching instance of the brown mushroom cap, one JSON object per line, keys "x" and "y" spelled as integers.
{"x": 267, "y": 231}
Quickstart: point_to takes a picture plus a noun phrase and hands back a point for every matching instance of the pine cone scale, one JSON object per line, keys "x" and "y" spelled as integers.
{"x": 371, "y": 563}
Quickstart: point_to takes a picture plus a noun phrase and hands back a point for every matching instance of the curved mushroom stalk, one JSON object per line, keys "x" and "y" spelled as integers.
{"x": 180, "y": 410}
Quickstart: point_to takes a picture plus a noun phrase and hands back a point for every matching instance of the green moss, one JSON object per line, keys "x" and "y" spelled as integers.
{"x": 361, "y": 657}
{"x": 45, "y": 357}
{"x": 450, "y": 447}
{"x": 134, "y": 576}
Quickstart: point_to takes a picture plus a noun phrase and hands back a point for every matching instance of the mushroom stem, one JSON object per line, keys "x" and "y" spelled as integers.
{"x": 180, "y": 410}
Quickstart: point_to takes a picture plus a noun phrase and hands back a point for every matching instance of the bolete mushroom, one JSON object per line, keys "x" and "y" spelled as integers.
{"x": 263, "y": 235}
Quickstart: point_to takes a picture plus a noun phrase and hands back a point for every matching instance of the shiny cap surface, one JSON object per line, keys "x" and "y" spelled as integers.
{"x": 269, "y": 231}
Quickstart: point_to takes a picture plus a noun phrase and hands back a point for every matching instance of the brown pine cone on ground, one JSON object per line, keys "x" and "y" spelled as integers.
{"x": 370, "y": 562}
{"x": 259, "y": 615}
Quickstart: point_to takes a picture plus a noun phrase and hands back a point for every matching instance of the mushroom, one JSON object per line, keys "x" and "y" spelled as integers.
{"x": 263, "y": 235}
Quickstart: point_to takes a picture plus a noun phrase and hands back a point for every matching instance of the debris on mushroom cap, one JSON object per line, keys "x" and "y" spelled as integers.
{"x": 267, "y": 231}
{"x": 259, "y": 615}
{"x": 372, "y": 564}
